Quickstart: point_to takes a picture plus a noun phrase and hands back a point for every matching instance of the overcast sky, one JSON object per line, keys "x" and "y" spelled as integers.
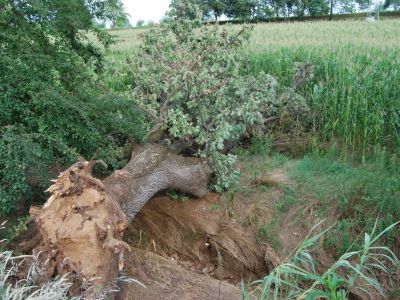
{"x": 147, "y": 10}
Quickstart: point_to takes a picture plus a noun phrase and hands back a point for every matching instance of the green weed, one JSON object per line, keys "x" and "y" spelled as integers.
{"x": 362, "y": 193}
{"x": 298, "y": 277}
{"x": 179, "y": 196}
{"x": 267, "y": 233}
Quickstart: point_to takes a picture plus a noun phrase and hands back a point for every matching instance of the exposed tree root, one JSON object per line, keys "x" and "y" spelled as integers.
{"x": 81, "y": 229}
{"x": 82, "y": 223}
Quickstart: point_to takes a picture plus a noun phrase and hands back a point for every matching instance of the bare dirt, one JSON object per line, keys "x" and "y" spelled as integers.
{"x": 168, "y": 279}
{"x": 198, "y": 231}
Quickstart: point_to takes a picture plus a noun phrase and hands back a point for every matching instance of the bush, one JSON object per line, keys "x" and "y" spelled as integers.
{"x": 52, "y": 109}
{"x": 31, "y": 155}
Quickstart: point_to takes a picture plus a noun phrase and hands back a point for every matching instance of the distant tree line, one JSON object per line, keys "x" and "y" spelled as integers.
{"x": 264, "y": 9}
{"x": 142, "y": 23}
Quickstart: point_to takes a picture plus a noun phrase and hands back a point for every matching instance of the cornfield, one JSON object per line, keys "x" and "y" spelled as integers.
{"x": 355, "y": 93}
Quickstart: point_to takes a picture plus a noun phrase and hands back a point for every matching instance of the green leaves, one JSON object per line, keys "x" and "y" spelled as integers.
{"x": 187, "y": 79}
{"x": 52, "y": 109}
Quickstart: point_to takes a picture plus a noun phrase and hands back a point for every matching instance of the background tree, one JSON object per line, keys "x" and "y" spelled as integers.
{"x": 347, "y": 6}
{"x": 365, "y": 4}
{"x": 316, "y": 7}
{"x": 250, "y": 9}
{"x": 392, "y": 3}
{"x": 99, "y": 24}
{"x": 150, "y": 23}
{"x": 240, "y": 9}
{"x": 122, "y": 22}
{"x": 115, "y": 13}
{"x": 140, "y": 23}
{"x": 212, "y": 9}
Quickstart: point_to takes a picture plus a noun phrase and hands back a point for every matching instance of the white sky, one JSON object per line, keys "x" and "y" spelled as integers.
{"x": 147, "y": 10}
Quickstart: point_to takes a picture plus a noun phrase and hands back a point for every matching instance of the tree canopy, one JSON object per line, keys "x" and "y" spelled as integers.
{"x": 392, "y": 3}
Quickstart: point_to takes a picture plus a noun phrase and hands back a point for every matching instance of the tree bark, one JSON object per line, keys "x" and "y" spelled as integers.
{"x": 82, "y": 223}
{"x": 153, "y": 169}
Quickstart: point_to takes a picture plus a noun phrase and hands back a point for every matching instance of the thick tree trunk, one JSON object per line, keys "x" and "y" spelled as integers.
{"x": 82, "y": 223}
{"x": 153, "y": 169}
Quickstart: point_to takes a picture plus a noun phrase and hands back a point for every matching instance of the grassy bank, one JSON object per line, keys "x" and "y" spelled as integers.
{"x": 351, "y": 195}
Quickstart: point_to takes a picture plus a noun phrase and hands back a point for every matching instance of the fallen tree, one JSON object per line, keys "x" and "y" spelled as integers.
{"x": 189, "y": 83}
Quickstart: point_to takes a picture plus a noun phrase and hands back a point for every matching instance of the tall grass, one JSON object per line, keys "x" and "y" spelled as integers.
{"x": 355, "y": 271}
{"x": 27, "y": 289}
{"x": 355, "y": 93}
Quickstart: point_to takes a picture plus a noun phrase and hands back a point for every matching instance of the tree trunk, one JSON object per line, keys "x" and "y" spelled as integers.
{"x": 151, "y": 170}
{"x": 82, "y": 223}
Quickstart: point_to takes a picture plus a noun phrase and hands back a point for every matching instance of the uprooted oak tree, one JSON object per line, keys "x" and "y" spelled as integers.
{"x": 188, "y": 81}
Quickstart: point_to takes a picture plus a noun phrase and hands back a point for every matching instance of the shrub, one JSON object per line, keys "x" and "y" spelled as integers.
{"x": 52, "y": 109}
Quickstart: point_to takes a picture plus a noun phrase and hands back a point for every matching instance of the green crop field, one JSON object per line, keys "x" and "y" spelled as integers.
{"x": 355, "y": 91}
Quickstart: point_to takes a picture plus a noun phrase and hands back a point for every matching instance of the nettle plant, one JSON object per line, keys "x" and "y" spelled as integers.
{"x": 188, "y": 82}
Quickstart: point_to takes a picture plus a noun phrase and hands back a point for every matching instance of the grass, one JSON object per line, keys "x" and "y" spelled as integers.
{"x": 299, "y": 277}
{"x": 27, "y": 288}
{"x": 359, "y": 194}
{"x": 355, "y": 193}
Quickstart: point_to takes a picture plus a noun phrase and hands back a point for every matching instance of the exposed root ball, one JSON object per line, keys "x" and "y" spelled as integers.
{"x": 81, "y": 229}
